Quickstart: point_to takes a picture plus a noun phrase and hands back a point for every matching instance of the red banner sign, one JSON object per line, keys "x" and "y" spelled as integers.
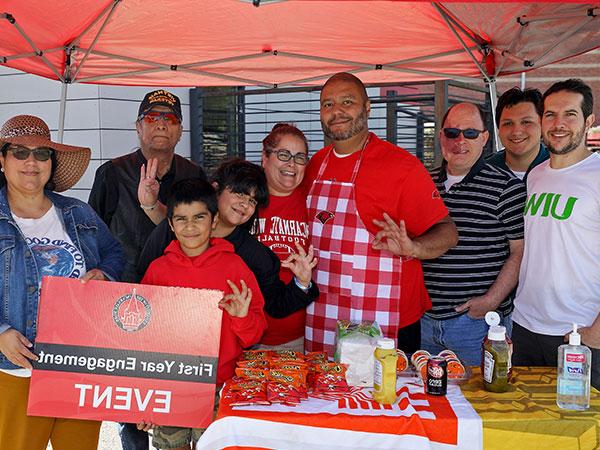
{"x": 126, "y": 353}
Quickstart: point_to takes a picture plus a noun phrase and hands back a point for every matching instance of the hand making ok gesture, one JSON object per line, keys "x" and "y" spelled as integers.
{"x": 238, "y": 302}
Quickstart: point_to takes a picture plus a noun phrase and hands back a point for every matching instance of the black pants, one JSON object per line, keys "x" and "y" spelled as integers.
{"x": 409, "y": 338}
{"x": 132, "y": 438}
{"x": 533, "y": 349}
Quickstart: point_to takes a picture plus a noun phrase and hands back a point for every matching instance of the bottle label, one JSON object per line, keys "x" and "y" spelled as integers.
{"x": 488, "y": 367}
{"x": 570, "y": 387}
{"x": 378, "y": 376}
{"x": 573, "y": 365}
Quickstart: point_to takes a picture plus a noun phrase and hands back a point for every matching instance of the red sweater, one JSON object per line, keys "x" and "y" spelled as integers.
{"x": 211, "y": 270}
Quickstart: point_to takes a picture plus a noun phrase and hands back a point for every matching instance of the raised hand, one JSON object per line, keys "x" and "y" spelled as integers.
{"x": 16, "y": 347}
{"x": 301, "y": 264}
{"x": 238, "y": 302}
{"x": 148, "y": 187}
{"x": 393, "y": 237}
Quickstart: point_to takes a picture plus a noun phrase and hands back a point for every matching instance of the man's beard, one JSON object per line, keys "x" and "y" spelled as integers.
{"x": 357, "y": 125}
{"x": 573, "y": 143}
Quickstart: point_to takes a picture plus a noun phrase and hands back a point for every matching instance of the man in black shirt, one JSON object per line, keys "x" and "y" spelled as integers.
{"x": 114, "y": 194}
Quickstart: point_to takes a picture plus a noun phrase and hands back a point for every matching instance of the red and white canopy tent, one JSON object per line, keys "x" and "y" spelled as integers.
{"x": 287, "y": 43}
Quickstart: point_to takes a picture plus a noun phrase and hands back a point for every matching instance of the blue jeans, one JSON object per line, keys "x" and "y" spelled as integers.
{"x": 132, "y": 438}
{"x": 463, "y": 335}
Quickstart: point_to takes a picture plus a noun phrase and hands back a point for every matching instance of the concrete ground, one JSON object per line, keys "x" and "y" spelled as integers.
{"x": 109, "y": 437}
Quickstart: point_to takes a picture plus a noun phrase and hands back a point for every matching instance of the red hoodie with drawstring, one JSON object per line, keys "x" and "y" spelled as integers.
{"x": 211, "y": 270}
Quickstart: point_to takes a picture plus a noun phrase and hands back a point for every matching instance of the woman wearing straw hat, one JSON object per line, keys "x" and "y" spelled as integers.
{"x": 42, "y": 233}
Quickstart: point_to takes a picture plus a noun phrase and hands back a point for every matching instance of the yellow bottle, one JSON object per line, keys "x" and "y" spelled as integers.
{"x": 384, "y": 383}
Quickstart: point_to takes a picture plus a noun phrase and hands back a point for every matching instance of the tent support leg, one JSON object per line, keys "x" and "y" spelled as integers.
{"x": 61, "y": 114}
{"x": 441, "y": 104}
{"x": 493, "y": 101}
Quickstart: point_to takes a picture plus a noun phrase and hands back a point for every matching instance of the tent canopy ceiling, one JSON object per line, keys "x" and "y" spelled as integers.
{"x": 287, "y": 43}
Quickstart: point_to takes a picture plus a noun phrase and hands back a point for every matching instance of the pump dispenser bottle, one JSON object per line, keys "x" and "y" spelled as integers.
{"x": 573, "y": 380}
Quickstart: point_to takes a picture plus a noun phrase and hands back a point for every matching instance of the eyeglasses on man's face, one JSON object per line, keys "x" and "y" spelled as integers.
{"x": 39, "y": 153}
{"x": 285, "y": 155}
{"x": 469, "y": 133}
{"x": 155, "y": 116}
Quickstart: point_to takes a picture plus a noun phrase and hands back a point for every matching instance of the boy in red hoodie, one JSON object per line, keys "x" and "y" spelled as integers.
{"x": 196, "y": 260}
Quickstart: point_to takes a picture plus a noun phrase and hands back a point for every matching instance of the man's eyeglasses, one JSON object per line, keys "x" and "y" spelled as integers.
{"x": 22, "y": 153}
{"x": 469, "y": 133}
{"x": 285, "y": 155}
{"x": 248, "y": 199}
{"x": 155, "y": 116}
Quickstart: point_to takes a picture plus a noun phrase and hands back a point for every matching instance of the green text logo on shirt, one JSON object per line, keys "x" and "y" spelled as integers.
{"x": 550, "y": 203}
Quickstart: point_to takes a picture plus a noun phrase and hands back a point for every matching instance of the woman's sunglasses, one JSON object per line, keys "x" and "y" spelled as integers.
{"x": 469, "y": 133}
{"x": 22, "y": 153}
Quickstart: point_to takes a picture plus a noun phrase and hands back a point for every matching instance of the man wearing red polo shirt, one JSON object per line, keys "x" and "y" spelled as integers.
{"x": 374, "y": 213}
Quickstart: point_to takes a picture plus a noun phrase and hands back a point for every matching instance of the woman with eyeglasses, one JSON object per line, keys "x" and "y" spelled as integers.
{"x": 42, "y": 233}
{"x": 283, "y": 224}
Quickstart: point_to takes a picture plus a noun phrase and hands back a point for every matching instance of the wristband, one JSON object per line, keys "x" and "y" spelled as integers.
{"x": 149, "y": 208}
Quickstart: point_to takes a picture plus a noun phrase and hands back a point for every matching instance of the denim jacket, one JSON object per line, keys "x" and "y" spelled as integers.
{"x": 20, "y": 280}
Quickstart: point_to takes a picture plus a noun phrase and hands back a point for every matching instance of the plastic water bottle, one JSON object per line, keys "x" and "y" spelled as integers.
{"x": 573, "y": 381}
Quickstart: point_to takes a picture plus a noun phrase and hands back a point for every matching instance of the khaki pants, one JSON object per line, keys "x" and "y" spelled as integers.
{"x": 174, "y": 437}
{"x": 21, "y": 432}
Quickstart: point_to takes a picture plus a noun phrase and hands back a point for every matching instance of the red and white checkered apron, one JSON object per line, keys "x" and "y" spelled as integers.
{"x": 356, "y": 282}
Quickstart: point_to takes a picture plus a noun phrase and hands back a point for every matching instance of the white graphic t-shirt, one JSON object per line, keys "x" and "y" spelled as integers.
{"x": 54, "y": 252}
{"x": 559, "y": 281}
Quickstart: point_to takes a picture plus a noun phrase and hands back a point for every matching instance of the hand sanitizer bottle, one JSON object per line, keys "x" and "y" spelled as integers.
{"x": 573, "y": 381}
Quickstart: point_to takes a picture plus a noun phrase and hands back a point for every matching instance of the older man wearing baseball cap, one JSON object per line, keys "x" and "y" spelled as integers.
{"x": 114, "y": 194}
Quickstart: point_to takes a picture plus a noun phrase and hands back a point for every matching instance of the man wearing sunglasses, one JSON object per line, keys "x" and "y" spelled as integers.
{"x": 519, "y": 119}
{"x": 481, "y": 272}
{"x": 373, "y": 214}
{"x": 114, "y": 194}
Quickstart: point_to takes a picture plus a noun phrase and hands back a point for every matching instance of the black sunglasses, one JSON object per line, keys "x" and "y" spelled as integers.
{"x": 22, "y": 153}
{"x": 284, "y": 155}
{"x": 469, "y": 133}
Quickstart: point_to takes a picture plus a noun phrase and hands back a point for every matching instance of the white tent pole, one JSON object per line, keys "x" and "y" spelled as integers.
{"x": 522, "y": 80}
{"x": 94, "y": 42}
{"x": 61, "y": 114}
{"x": 507, "y": 53}
{"x": 462, "y": 42}
{"x": 35, "y": 48}
{"x": 77, "y": 40}
{"x": 494, "y": 100}
{"x": 525, "y": 19}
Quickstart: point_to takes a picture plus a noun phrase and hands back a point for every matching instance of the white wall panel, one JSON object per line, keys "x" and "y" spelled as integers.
{"x": 97, "y": 116}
